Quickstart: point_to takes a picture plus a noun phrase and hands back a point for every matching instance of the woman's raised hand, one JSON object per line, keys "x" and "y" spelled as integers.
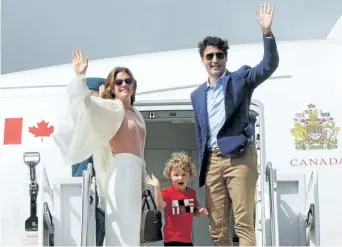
{"x": 80, "y": 64}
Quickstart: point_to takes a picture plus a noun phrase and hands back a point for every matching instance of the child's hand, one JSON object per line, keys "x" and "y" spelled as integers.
{"x": 152, "y": 181}
{"x": 203, "y": 211}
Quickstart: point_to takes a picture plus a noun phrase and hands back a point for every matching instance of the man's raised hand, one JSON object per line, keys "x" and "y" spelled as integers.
{"x": 265, "y": 17}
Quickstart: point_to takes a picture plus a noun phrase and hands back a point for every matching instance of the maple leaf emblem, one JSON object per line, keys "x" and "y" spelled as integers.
{"x": 42, "y": 129}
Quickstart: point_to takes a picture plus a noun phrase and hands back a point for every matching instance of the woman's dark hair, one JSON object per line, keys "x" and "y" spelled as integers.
{"x": 109, "y": 83}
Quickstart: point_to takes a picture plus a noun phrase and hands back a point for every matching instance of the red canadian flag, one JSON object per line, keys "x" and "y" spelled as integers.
{"x": 13, "y": 130}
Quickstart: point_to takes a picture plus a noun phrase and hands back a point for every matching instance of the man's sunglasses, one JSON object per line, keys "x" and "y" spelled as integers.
{"x": 210, "y": 56}
{"x": 119, "y": 82}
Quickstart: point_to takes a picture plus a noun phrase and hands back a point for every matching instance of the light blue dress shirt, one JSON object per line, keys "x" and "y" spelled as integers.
{"x": 216, "y": 109}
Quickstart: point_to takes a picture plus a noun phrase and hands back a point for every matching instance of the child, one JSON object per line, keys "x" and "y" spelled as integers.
{"x": 179, "y": 201}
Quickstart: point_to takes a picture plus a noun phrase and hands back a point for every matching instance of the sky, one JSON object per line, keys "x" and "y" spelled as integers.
{"x": 42, "y": 33}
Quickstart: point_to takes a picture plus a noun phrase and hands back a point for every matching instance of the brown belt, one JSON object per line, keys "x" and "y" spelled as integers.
{"x": 217, "y": 151}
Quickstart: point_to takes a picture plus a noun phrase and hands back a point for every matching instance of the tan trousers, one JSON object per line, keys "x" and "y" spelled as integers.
{"x": 231, "y": 180}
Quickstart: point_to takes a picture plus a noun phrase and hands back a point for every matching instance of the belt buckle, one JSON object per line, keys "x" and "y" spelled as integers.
{"x": 214, "y": 150}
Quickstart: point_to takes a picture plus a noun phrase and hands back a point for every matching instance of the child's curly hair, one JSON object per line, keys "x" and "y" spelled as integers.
{"x": 181, "y": 161}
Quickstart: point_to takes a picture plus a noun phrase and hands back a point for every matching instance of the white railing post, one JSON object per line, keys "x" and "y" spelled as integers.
{"x": 312, "y": 209}
{"x": 272, "y": 181}
{"x": 87, "y": 177}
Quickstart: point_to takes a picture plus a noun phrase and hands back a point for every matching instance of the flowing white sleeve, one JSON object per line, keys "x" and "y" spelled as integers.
{"x": 94, "y": 122}
{"x": 145, "y": 186}
{"x": 102, "y": 161}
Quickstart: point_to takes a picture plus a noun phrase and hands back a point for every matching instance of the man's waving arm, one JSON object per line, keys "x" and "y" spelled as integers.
{"x": 261, "y": 72}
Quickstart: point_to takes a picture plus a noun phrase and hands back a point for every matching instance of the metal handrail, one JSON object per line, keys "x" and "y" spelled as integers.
{"x": 47, "y": 185}
{"x": 48, "y": 218}
{"x": 87, "y": 178}
{"x": 270, "y": 179}
{"x": 312, "y": 207}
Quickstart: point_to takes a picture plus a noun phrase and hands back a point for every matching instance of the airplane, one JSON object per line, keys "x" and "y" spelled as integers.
{"x": 297, "y": 130}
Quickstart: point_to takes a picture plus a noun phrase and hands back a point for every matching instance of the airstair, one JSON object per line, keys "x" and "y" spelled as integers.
{"x": 64, "y": 214}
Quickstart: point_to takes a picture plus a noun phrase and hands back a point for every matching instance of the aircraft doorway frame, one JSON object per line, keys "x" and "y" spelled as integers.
{"x": 256, "y": 106}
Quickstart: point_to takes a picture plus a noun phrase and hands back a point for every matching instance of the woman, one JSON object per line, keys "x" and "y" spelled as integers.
{"x": 113, "y": 131}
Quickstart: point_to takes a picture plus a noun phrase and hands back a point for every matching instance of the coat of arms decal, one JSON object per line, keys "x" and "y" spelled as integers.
{"x": 314, "y": 129}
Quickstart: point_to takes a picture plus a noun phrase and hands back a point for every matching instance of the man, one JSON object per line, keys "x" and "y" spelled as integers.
{"x": 227, "y": 155}
{"x": 93, "y": 83}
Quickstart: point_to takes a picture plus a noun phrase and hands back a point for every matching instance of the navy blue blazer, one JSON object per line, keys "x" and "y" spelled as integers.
{"x": 232, "y": 138}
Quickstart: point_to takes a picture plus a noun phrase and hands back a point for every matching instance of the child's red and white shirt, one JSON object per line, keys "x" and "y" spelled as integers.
{"x": 178, "y": 214}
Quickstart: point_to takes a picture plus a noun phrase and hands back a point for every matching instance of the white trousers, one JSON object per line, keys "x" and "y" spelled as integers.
{"x": 123, "y": 200}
